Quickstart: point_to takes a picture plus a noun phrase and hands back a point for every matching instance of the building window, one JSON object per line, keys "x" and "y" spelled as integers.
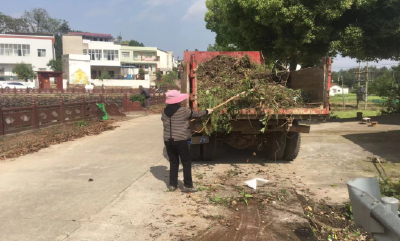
{"x": 14, "y": 49}
{"x": 85, "y": 52}
{"x": 2, "y": 71}
{"x": 111, "y": 73}
{"x": 110, "y": 54}
{"x": 95, "y": 54}
{"x": 149, "y": 56}
{"x": 41, "y": 52}
{"x": 158, "y": 58}
{"x": 126, "y": 54}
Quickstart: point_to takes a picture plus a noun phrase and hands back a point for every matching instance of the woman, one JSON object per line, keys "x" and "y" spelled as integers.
{"x": 176, "y": 134}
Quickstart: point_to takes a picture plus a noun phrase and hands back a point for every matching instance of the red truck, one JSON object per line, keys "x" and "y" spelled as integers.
{"x": 281, "y": 139}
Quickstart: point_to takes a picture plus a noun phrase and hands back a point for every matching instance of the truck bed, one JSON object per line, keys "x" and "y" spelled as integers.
{"x": 314, "y": 82}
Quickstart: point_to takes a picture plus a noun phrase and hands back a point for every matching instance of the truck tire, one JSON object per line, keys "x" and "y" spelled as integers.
{"x": 195, "y": 152}
{"x": 293, "y": 142}
{"x": 276, "y": 144}
{"x": 210, "y": 148}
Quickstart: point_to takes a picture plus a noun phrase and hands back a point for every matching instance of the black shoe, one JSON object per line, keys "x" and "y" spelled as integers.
{"x": 172, "y": 188}
{"x": 189, "y": 189}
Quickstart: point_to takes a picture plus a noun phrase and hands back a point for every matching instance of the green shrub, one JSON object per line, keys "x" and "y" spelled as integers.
{"x": 141, "y": 71}
{"x": 139, "y": 98}
{"x": 104, "y": 76}
{"x": 168, "y": 79}
{"x": 159, "y": 75}
{"x": 390, "y": 187}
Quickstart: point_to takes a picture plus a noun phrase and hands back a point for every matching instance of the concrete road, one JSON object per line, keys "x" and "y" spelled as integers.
{"x": 47, "y": 195}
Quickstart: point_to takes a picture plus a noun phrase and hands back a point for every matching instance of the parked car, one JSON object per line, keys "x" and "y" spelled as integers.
{"x": 11, "y": 85}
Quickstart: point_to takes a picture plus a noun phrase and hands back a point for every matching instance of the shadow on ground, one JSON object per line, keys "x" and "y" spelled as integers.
{"x": 384, "y": 144}
{"x": 226, "y": 154}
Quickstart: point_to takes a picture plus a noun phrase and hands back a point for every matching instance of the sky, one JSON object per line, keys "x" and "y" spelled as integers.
{"x": 170, "y": 25}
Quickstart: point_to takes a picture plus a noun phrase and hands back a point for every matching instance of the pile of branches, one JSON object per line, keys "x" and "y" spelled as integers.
{"x": 224, "y": 77}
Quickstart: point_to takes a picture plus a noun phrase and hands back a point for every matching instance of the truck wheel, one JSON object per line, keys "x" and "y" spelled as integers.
{"x": 210, "y": 148}
{"x": 293, "y": 141}
{"x": 195, "y": 152}
{"x": 275, "y": 147}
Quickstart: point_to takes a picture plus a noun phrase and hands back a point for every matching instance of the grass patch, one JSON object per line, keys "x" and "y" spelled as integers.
{"x": 390, "y": 187}
{"x": 353, "y": 114}
{"x": 352, "y": 98}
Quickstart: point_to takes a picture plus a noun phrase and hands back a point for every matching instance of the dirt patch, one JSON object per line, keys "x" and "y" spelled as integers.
{"x": 156, "y": 109}
{"x": 24, "y": 143}
{"x": 273, "y": 212}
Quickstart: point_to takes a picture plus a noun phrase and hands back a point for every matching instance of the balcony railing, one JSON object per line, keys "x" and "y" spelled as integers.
{"x": 8, "y": 77}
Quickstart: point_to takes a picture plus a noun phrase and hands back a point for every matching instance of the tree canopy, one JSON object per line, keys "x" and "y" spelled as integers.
{"x": 55, "y": 64}
{"x": 304, "y": 31}
{"x": 24, "y": 71}
{"x": 135, "y": 43}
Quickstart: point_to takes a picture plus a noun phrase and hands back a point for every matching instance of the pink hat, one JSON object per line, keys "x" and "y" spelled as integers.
{"x": 175, "y": 96}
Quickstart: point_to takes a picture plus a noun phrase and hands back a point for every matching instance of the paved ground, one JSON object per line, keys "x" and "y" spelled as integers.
{"x": 47, "y": 195}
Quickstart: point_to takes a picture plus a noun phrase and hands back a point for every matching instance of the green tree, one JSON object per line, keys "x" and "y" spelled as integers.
{"x": 168, "y": 79}
{"x": 216, "y": 47}
{"x": 24, "y": 71}
{"x": 302, "y": 32}
{"x": 135, "y": 43}
{"x": 10, "y": 24}
{"x": 39, "y": 21}
{"x": 55, "y": 65}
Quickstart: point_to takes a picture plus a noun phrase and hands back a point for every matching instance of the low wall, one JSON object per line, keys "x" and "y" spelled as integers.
{"x": 122, "y": 82}
{"x": 10, "y": 101}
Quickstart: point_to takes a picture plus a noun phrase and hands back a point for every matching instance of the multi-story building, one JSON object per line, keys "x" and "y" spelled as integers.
{"x": 103, "y": 53}
{"x": 134, "y": 57}
{"x": 118, "y": 61}
{"x": 165, "y": 60}
{"x": 33, "y": 49}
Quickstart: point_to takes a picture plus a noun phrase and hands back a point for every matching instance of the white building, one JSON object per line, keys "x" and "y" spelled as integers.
{"x": 33, "y": 49}
{"x": 336, "y": 89}
{"x": 120, "y": 62}
{"x": 165, "y": 60}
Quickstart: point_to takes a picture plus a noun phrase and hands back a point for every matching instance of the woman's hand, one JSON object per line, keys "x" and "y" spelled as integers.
{"x": 209, "y": 111}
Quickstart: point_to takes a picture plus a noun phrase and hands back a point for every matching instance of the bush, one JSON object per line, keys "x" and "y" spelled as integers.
{"x": 390, "y": 187}
{"x": 168, "y": 79}
{"x": 104, "y": 76}
{"x": 24, "y": 71}
{"x": 141, "y": 71}
{"x": 159, "y": 75}
{"x": 139, "y": 98}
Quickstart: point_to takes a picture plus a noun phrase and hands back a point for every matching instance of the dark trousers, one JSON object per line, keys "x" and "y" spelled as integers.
{"x": 147, "y": 103}
{"x": 175, "y": 150}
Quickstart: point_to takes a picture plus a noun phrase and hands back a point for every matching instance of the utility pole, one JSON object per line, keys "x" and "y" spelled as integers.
{"x": 358, "y": 85}
{"x": 344, "y": 105}
{"x": 366, "y": 90}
